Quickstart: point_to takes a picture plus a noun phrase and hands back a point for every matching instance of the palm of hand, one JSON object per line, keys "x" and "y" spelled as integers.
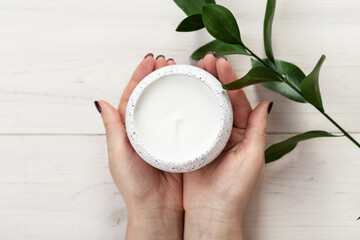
{"x": 226, "y": 184}
{"x": 223, "y": 182}
{"x": 148, "y": 184}
{"x": 137, "y": 181}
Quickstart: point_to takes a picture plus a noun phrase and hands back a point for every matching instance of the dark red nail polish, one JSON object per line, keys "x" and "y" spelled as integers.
{"x": 149, "y": 54}
{"x": 170, "y": 59}
{"x": 97, "y": 105}
{"x": 160, "y": 56}
{"x": 270, "y": 107}
{"x": 222, "y": 57}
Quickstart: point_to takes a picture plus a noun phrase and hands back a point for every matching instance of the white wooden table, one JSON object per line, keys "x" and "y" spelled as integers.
{"x": 57, "y": 57}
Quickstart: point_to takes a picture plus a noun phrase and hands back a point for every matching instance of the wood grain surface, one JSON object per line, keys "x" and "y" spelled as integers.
{"x": 57, "y": 57}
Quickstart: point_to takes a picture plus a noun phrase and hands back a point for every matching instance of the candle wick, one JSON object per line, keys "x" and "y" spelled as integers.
{"x": 178, "y": 122}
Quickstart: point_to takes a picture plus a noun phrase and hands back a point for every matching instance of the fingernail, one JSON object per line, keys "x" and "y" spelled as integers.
{"x": 149, "y": 54}
{"x": 270, "y": 107}
{"x": 222, "y": 57}
{"x": 160, "y": 56}
{"x": 210, "y": 53}
{"x": 170, "y": 59}
{"x": 97, "y": 105}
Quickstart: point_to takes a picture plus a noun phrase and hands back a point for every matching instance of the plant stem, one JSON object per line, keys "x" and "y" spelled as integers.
{"x": 341, "y": 129}
{"x": 293, "y": 86}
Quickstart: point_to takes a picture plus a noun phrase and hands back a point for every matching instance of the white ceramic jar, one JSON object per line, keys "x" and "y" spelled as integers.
{"x": 179, "y": 118}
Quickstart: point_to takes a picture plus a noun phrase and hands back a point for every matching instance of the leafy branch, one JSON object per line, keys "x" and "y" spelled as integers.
{"x": 282, "y": 77}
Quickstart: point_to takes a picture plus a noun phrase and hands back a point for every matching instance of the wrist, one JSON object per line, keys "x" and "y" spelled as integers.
{"x": 155, "y": 223}
{"x": 212, "y": 224}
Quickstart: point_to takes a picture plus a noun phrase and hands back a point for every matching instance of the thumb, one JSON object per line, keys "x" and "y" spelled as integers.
{"x": 255, "y": 133}
{"x": 115, "y": 131}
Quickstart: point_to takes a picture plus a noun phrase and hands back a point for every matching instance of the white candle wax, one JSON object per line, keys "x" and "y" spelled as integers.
{"x": 177, "y": 118}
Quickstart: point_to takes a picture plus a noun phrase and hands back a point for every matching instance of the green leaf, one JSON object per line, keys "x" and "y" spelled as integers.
{"x": 221, "y": 23}
{"x": 219, "y": 48}
{"x": 254, "y": 76}
{"x": 358, "y": 219}
{"x": 291, "y": 72}
{"x": 269, "y": 17}
{"x": 310, "y": 86}
{"x": 278, "y": 150}
{"x": 190, "y": 7}
{"x": 191, "y": 23}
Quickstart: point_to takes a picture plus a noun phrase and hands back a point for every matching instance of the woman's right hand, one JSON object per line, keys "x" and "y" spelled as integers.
{"x": 153, "y": 198}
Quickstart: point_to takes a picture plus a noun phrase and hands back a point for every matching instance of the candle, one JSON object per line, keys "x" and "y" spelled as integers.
{"x": 179, "y": 118}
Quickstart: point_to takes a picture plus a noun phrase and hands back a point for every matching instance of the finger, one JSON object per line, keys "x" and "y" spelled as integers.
{"x": 170, "y": 61}
{"x": 210, "y": 64}
{"x": 239, "y": 101}
{"x": 201, "y": 64}
{"x": 116, "y": 135}
{"x": 225, "y": 71}
{"x": 144, "y": 68}
{"x": 254, "y": 140}
{"x": 160, "y": 62}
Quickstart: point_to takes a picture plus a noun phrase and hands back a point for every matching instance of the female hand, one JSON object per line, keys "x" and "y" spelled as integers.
{"x": 215, "y": 196}
{"x": 153, "y": 198}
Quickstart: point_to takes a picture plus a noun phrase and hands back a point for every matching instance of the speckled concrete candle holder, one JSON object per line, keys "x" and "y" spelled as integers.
{"x": 226, "y": 119}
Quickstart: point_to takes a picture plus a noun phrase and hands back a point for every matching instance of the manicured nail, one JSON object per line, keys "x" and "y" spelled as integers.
{"x": 210, "y": 53}
{"x": 170, "y": 59}
{"x": 160, "y": 56}
{"x": 97, "y": 105}
{"x": 222, "y": 57}
{"x": 149, "y": 54}
{"x": 270, "y": 107}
